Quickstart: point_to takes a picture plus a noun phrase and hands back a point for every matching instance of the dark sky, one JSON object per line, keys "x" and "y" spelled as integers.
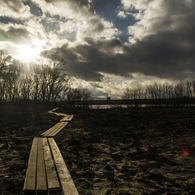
{"x": 108, "y": 45}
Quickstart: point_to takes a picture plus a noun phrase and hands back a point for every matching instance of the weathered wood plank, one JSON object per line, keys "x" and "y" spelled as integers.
{"x": 56, "y": 131}
{"x": 67, "y": 183}
{"x": 30, "y": 179}
{"x": 64, "y": 119}
{"x": 58, "y": 114}
{"x": 60, "y": 127}
{"x": 52, "y": 179}
{"x": 50, "y": 130}
{"x": 41, "y": 177}
{"x": 61, "y": 114}
{"x": 67, "y": 118}
{"x": 53, "y": 110}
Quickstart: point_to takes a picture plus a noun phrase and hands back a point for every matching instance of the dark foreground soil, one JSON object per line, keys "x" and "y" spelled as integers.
{"x": 116, "y": 151}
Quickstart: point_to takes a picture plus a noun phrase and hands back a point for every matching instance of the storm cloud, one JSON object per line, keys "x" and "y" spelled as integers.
{"x": 15, "y": 35}
{"x": 14, "y": 5}
{"x": 166, "y": 50}
{"x": 98, "y": 38}
{"x": 168, "y": 54}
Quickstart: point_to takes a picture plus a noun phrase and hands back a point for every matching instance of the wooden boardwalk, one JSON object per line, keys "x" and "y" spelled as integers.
{"x": 47, "y": 172}
{"x": 55, "y": 129}
{"x": 59, "y": 126}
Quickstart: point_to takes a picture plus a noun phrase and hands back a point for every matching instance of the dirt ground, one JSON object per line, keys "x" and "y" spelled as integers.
{"x": 113, "y": 151}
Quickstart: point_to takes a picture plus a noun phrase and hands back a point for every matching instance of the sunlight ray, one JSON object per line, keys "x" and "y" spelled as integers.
{"x": 28, "y": 54}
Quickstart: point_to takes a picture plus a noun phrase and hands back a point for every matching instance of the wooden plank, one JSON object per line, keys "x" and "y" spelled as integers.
{"x": 67, "y": 183}
{"x": 60, "y": 127}
{"x": 61, "y": 114}
{"x": 53, "y": 110}
{"x": 51, "y": 133}
{"x": 64, "y": 119}
{"x": 48, "y": 134}
{"x": 70, "y": 117}
{"x": 52, "y": 179}
{"x": 41, "y": 177}
{"x": 30, "y": 179}
{"x": 67, "y": 118}
{"x": 56, "y": 131}
{"x": 50, "y": 130}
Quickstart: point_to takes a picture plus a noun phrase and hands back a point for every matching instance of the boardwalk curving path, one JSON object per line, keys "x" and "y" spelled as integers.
{"x": 47, "y": 172}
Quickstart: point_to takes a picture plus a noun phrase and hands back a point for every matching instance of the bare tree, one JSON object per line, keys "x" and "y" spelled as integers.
{"x": 5, "y": 59}
{"x": 45, "y": 80}
{"x": 53, "y": 77}
{"x": 189, "y": 89}
{"x": 179, "y": 90}
{"x": 78, "y": 94}
{"x": 11, "y": 80}
{"x": 127, "y": 94}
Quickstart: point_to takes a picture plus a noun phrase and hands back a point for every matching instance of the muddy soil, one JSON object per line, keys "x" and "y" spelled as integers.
{"x": 19, "y": 124}
{"x": 116, "y": 151}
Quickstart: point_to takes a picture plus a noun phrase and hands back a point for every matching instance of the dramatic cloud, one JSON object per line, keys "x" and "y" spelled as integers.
{"x": 161, "y": 44}
{"x": 15, "y": 9}
{"x": 70, "y": 9}
{"x": 157, "y": 16}
{"x": 168, "y": 54}
{"x": 15, "y": 34}
{"x": 98, "y": 38}
{"x": 34, "y": 8}
{"x": 14, "y": 5}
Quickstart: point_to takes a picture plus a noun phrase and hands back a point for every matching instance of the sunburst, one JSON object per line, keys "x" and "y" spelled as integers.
{"x": 28, "y": 54}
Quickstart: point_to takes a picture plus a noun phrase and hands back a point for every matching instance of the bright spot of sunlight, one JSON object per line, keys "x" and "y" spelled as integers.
{"x": 28, "y": 54}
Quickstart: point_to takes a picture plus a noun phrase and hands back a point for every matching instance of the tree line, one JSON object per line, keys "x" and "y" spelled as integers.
{"x": 43, "y": 80}
{"x": 179, "y": 92}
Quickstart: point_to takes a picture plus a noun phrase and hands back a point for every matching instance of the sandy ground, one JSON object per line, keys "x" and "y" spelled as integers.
{"x": 116, "y": 151}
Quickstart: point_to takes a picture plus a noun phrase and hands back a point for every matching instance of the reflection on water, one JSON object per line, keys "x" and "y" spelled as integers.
{"x": 107, "y": 106}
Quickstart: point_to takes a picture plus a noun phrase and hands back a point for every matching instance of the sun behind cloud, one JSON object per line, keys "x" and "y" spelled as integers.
{"x": 28, "y": 54}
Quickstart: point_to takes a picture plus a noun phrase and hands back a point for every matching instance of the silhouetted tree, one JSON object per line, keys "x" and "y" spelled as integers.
{"x": 45, "y": 80}
{"x": 178, "y": 92}
{"x": 78, "y": 94}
